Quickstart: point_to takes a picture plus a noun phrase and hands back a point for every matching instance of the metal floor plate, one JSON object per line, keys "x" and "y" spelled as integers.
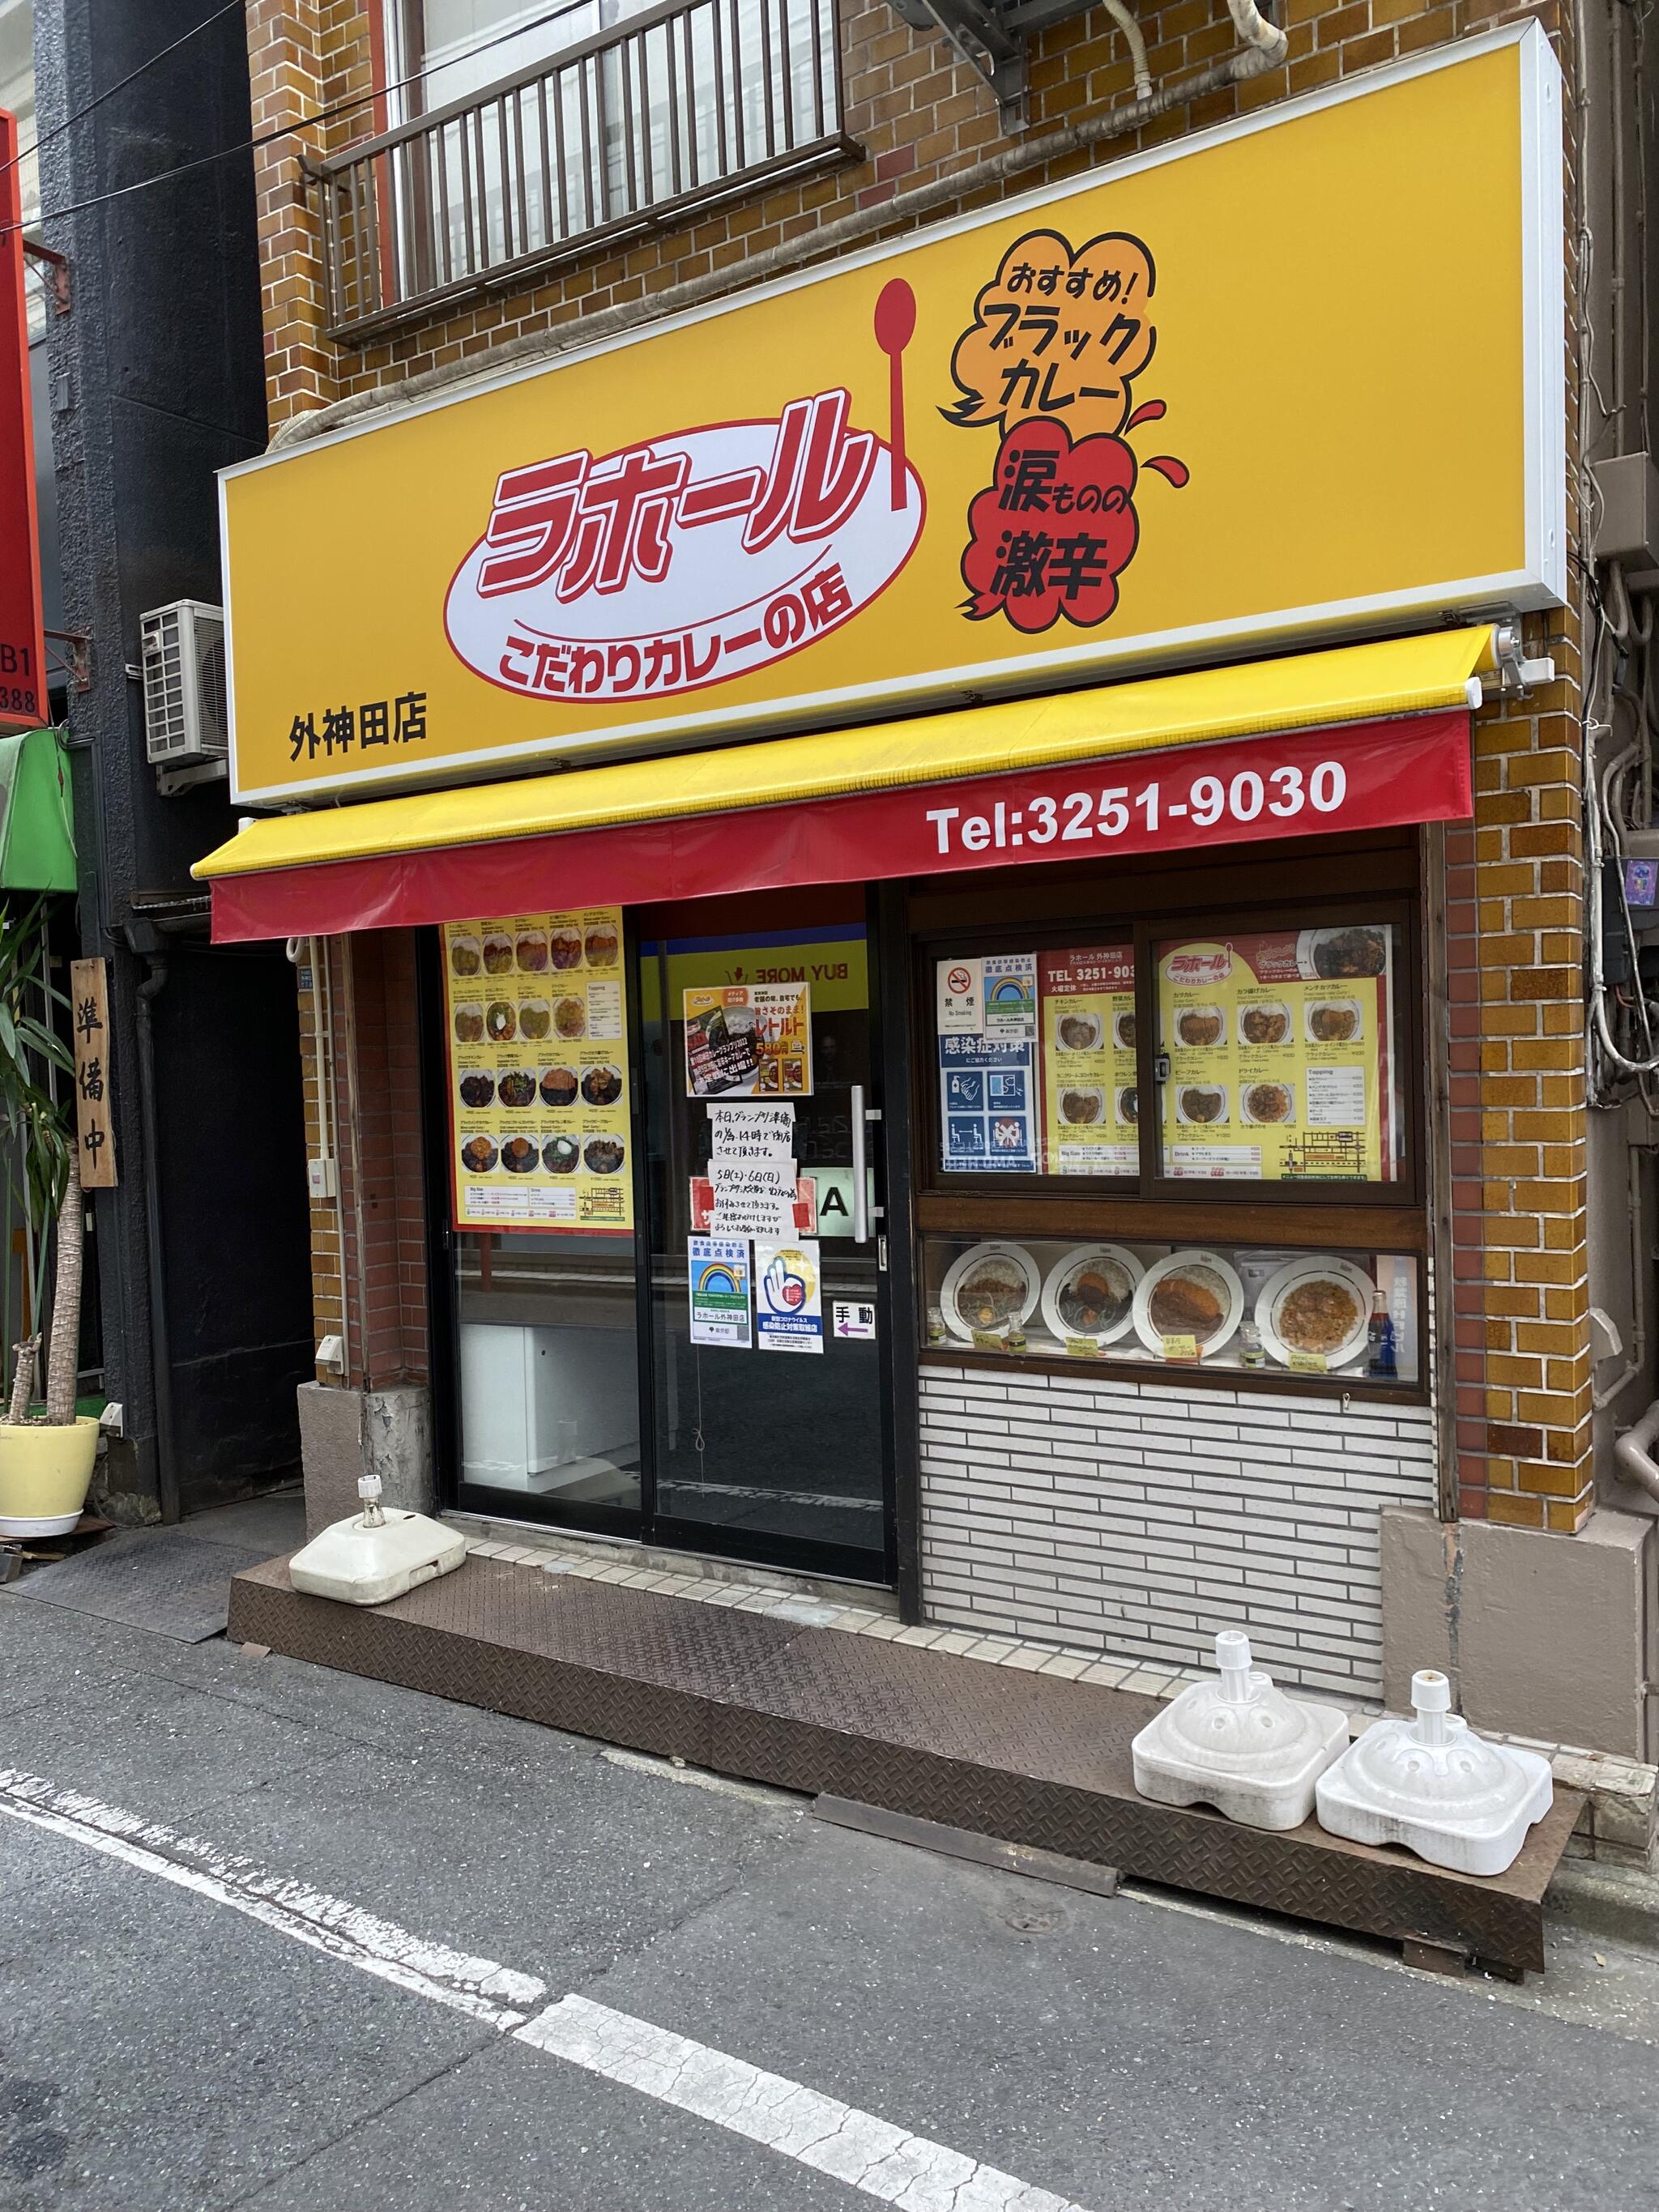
{"x": 157, "y": 1578}
{"x": 1030, "y": 1760}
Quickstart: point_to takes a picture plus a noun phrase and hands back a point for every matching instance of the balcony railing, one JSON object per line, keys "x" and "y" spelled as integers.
{"x": 683, "y": 105}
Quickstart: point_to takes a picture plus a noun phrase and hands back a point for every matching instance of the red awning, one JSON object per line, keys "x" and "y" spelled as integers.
{"x": 1355, "y": 776}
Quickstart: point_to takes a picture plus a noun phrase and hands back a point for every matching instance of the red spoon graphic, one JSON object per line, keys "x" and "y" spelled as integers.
{"x": 895, "y": 326}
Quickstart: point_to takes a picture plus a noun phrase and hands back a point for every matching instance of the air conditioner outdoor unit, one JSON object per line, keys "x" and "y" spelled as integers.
{"x": 186, "y": 724}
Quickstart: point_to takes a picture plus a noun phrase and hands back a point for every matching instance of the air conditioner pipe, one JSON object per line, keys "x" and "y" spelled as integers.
{"x": 1262, "y": 47}
{"x": 1633, "y": 1454}
{"x": 1137, "y": 45}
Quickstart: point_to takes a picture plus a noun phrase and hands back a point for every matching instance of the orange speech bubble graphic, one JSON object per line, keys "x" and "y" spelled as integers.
{"x": 1058, "y": 335}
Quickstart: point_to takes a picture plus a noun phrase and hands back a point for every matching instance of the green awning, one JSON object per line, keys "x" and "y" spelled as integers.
{"x": 37, "y": 814}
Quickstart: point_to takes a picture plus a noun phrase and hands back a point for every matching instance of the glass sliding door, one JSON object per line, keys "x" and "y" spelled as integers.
{"x": 772, "y": 1448}
{"x": 690, "y": 1375}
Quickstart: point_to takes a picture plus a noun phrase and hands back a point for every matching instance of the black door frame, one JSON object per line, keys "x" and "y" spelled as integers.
{"x": 896, "y": 1319}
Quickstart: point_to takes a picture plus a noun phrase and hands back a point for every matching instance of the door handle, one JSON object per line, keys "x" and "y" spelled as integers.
{"x": 860, "y": 1166}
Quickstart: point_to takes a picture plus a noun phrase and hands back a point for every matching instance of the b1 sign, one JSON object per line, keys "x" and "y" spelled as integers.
{"x": 22, "y": 644}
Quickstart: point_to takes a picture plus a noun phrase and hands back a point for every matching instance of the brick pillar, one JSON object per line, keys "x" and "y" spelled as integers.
{"x": 1521, "y": 1296}
{"x": 379, "y": 1106}
{"x": 1519, "y": 1175}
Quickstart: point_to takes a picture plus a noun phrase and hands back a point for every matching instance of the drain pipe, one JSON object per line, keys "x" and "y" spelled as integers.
{"x": 160, "y": 1350}
{"x": 1633, "y": 1454}
{"x": 1262, "y": 47}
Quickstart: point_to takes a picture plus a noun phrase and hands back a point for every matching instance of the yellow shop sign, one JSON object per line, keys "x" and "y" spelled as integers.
{"x": 1297, "y": 376}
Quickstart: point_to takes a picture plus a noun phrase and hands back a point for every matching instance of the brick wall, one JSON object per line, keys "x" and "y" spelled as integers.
{"x": 291, "y": 43}
{"x": 918, "y": 114}
{"x": 1520, "y": 1290}
{"x": 1142, "y": 1519}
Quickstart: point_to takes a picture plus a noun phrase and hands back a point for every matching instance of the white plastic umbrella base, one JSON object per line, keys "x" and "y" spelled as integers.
{"x": 1239, "y": 1744}
{"x": 1431, "y": 1783}
{"x": 360, "y": 1565}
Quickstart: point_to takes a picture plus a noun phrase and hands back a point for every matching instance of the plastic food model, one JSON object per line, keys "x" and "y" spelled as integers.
{"x": 1239, "y": 1744}
{"x": 1432, "y": 1783}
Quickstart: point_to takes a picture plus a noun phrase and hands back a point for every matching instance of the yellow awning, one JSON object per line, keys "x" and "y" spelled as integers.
{"x": 1360, "y": 682}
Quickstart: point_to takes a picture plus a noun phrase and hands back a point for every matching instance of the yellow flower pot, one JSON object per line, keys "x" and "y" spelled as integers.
{"x": 43, "y": 1475}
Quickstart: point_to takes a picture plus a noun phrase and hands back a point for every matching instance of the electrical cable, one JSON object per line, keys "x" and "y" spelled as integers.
{"x": 292, "y": 129}
{"x": 1606, "y": 809}
{"x": 45, "y": 139}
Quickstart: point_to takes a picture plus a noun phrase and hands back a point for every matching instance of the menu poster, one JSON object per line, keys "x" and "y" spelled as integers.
{"x": 538, "y": 1079}
{"x": 718, "y": 1270}
{"x": 1282, "y": 1055}
{"x": 1091, "y": 1106}
{"x": 749, "y": 1040}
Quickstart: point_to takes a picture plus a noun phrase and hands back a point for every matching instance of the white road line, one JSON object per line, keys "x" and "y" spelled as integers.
{"x": 865, "y": 2153}
{"x": 853, "y": 2147}
{"x": 489, "y": 1992}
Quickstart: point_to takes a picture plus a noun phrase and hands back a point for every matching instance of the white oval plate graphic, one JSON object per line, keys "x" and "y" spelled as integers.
{"x": 548, "y": 604}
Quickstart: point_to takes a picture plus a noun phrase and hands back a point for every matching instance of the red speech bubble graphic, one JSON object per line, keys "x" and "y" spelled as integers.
{"x": 1056, "y": 526}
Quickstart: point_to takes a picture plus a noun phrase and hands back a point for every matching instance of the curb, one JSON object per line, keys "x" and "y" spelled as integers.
{"x": 1619, "y": 1904}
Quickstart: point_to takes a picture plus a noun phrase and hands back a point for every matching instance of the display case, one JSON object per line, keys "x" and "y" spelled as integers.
{"x": 1347, "y": 1319}
{"x": 1182, "y": 1142}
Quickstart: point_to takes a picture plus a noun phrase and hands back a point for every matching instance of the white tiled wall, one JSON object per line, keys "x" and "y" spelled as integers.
{"x": 1144, "y": 1519}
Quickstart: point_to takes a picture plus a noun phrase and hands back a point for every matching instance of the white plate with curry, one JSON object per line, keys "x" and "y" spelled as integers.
{"x": 1196, "y": 1294}
{"x": 988, "y": 1286}
{"x": 1315, "y": 1306}
{"x": 1092, "y": 1293}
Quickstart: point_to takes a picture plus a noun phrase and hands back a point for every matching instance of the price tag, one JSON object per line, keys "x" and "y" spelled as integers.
{"x": 985, "y": 1339}
{"x": 1082, "y": 1347}
{"x": 1180, "y": 1347}
{"x": 1307, "y": 1362}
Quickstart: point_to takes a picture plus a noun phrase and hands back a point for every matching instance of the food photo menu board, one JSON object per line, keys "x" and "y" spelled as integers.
{"x": 1282, "y": 1056}
{"x": 538, "y": 1084}
{"x": 1090, "y": 1105}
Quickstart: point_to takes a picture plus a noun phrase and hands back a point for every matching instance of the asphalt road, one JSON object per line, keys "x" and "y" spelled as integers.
{"x": 940, "y": 2028}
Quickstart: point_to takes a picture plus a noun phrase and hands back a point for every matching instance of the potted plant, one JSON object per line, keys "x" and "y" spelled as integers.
{"x": 46, "y": 1454}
